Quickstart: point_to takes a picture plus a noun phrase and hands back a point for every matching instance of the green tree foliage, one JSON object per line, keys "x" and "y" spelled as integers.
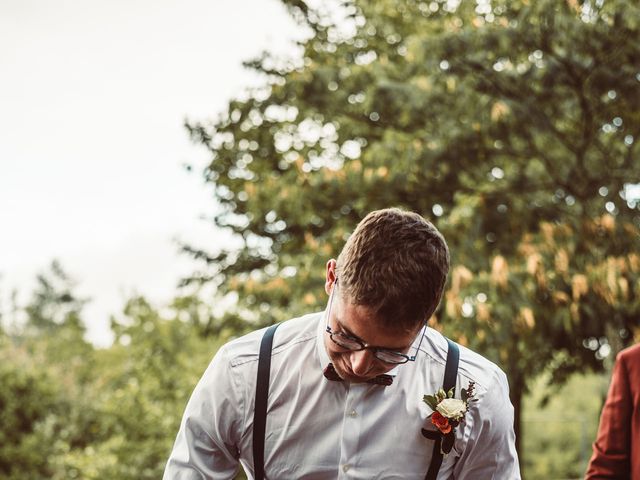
{"x": 47, "y": 368}
{"x": 558, "y": 438}
{"x": 512, "y": 124}
{"x": 68, "y": 410}
{"x": 53, "y": 304}
{"x": 29, "y": 402}
{"x": 138, "y": 392}
{"x": 142, "y": 386}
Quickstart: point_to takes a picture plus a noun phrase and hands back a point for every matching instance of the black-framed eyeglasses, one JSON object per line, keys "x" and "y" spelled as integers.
{"x": 354, "y": 344}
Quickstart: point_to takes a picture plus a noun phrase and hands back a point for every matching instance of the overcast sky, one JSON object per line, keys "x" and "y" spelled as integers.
{"x": 93, "y": 95}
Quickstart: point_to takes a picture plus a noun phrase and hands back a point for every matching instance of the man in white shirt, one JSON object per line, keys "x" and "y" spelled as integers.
{"x": 346, "y": 386}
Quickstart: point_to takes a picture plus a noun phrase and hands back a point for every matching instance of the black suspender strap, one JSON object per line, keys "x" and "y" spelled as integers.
{"x": 449, "y": 382}
{"x": 262, "y": 394}
{"x": 451, "y": 368}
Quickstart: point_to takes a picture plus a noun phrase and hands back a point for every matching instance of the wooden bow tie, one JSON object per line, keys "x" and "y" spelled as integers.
{"x": 330, "y": 374}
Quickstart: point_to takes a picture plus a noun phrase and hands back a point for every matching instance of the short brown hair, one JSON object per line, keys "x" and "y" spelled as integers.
{"x": 396, "y": 263}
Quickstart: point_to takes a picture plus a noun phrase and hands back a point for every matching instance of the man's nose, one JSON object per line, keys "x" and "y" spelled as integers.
{"x": 361, "y": 362}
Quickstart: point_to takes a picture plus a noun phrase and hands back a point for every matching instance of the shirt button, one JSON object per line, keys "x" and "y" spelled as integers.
{"x": 346, "y": 467}
{"x": 353, "y": 413}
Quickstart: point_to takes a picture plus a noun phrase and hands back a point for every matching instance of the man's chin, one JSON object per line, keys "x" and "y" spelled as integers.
{"x": 348, "y": 376}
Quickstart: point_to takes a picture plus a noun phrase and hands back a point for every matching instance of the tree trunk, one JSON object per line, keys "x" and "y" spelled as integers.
{"x": 516, "y": 391}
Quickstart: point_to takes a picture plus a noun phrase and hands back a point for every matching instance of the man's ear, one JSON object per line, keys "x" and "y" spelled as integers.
{"x": 330, "y": 276}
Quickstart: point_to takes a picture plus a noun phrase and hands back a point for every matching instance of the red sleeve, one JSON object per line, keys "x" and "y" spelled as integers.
{"x": 611, "y": 450}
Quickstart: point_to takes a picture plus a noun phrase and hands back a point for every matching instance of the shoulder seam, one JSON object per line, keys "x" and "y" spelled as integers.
{"x": 275, "y": 351}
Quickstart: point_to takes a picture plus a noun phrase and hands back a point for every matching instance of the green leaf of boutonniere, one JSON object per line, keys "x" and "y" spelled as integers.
{"x": 431, "y": 400}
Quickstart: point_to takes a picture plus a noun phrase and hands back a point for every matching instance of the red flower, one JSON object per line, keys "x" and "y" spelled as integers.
{"x": 441, "y": 422}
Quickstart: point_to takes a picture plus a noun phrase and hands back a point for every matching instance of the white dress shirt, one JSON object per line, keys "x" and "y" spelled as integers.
{"x": 320, "y": 429}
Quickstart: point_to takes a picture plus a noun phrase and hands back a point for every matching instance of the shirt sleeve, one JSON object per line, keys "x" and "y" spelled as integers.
{"x": 610, "y": 457}
{"x": 490, "y": 449}
{"x": 206, "y": 446}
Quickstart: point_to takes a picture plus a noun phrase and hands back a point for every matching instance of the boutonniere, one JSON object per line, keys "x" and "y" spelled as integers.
{"x": 448, "y": 413}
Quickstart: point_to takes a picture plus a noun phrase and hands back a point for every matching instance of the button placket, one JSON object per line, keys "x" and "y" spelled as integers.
{"x": 351, "y": 430}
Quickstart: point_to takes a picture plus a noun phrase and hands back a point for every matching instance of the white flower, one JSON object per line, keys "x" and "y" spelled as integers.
{"x": 452, "y": 408}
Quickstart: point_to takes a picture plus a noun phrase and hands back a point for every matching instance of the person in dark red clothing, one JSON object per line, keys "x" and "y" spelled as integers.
{"x": 616, "y": 451}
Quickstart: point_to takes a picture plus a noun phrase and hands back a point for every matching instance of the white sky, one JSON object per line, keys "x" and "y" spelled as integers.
{"x": 93, "y": 95}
